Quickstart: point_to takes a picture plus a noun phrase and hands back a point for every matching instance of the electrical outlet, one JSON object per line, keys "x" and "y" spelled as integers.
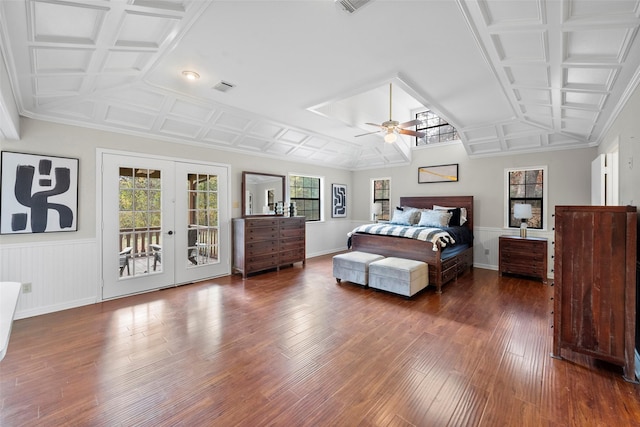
{"x": 486, "y": 251}
{"x": 26, "y": 288}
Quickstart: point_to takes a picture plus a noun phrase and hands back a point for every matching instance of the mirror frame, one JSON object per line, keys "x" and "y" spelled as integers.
{"x": 244, "y": 191}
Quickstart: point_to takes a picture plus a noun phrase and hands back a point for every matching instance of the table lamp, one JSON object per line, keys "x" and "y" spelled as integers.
{"x": 522, "y": 211}
{"x": 377, "y": 211}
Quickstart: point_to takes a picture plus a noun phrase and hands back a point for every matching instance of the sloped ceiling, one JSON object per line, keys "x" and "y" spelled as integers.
{"x": 512, "y": 76}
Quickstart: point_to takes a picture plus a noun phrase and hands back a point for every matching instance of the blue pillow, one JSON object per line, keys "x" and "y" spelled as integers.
{"x": 405, "y": 216}
{"x": 431, "y": 218}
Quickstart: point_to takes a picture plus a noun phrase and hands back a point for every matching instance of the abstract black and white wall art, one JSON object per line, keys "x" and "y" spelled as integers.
{"x": 339, "y": 200}
{"x": 39, "y": 194}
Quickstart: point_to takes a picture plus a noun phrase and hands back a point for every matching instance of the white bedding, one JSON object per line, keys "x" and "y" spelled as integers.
{"x": 427, "y": 234}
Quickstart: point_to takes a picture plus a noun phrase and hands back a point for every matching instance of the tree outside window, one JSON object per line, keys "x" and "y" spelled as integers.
{"x": 304, "y": 191}
{"x": 381, "y": 190}
{"x": 527, "y": 186}
{"x": 436, "y": 129}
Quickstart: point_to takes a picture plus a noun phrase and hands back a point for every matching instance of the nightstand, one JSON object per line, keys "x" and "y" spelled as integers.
{"x": 523, "y": 256}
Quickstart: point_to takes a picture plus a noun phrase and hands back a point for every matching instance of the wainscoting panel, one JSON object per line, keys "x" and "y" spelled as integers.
{"x": 62, "y": 274}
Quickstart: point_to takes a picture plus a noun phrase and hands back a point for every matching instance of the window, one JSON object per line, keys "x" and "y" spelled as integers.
{"x": 526, "y": 185}
{"x": 305, "y": 192}
{"x": 437, "y": 129}
{"x": 381, "y": 195}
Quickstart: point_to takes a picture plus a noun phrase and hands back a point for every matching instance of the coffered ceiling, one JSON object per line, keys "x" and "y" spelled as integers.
{"x": 303, "y": 77}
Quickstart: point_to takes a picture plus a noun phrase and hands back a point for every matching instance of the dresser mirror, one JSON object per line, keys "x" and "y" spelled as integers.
{"x": 261, "y": 192}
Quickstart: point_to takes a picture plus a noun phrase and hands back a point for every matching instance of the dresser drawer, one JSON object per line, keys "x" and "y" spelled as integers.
{"x": 262, "y": 233}
{"x": 296, "y": 223}
{"x": 258, "y": 262}
{"x": 261, "y": 248}
{"x": 289, "y": 257}
{"x": 262, "y": 222}
{"x": 291, "y": 232}
{"x": 291, "y": 244}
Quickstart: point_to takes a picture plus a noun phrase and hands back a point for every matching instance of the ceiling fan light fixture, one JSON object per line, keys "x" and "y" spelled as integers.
{"x": 390, "y": 137}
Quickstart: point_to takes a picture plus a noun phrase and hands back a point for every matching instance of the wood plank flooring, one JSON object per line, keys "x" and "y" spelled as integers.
{"x": 294, "y": 348}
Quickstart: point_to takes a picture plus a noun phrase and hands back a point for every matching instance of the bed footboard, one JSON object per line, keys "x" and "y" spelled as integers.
{"x": 440, "y": 272}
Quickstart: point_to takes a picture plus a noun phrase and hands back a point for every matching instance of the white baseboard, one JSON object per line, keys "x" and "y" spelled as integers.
{"x": 53, "y": 308}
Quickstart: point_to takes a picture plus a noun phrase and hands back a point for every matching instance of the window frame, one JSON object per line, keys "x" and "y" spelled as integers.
{"x": 321, "y": 195}
{"x": 373, "y": 199}
{"x": 441, "y": 124}
{"x": 545, "y": 197}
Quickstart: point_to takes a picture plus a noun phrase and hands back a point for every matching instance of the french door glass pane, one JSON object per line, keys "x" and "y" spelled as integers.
{"x": 202, "y": 219}
{"x": 140, "y": 218}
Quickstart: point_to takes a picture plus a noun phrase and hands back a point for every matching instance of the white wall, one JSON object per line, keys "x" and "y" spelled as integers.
{"x": 64, "y": 267}
{"x": 625, "y": 131}
{"x": 568, "y": 183}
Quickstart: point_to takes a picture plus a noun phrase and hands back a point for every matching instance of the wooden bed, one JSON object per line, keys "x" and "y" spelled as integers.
{"x": 440, "y": 271}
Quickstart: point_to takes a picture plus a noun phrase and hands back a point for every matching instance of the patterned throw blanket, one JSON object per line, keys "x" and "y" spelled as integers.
{"x": 433, "y": 235}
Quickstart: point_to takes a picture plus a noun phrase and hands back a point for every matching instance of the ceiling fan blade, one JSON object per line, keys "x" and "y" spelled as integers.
{"x": 410, "y": 123}
{"x": 412, "y": 133}
{"x": 368, "y": 133}
{"x": 376, "y": 125}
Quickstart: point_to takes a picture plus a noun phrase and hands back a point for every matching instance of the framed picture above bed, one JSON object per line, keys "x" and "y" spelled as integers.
{"x": 338, "y": 200}
{"x": 39, "y": 193}
{"x": 440, "y": 173}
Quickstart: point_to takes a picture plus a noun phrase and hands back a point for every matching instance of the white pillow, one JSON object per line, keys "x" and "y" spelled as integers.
{"x": 434, "y": 218}
{"x": 463, "y": 212}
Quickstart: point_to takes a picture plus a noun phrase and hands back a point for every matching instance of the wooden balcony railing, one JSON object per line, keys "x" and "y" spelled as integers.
{"x": 206, "y": 239}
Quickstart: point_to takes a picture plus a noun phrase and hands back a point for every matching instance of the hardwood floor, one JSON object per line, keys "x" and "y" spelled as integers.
{"x": 294, "y": 348}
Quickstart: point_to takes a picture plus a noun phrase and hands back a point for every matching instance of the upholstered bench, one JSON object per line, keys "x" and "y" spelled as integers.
{"x": 353, "y": 266}
{"x": 398, "y": 275}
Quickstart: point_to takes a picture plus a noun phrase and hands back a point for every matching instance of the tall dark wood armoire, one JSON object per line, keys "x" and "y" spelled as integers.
{"x": 595, "y": 283}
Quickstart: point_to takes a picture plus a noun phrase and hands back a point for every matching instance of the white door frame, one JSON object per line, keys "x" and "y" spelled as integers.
{"x": 185, "y": 271}
{"x": 99, "y": 205}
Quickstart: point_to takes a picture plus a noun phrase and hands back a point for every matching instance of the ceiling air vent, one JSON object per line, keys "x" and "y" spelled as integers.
{"x": 223, "y": 86}
{"x": 352, "y": 5}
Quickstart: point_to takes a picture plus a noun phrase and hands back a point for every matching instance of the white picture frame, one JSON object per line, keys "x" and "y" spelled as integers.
{"x": 39, "y": 193}
{"x": 338, "y": 200}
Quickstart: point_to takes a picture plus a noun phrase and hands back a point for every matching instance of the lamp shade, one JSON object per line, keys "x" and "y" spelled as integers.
{"x": 377, "y": 208}
{"x": 522, "y": 211}
{"x": 390, "y": 137}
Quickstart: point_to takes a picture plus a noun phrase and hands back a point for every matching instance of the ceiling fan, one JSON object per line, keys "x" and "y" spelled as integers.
{"x": 391, "y": 128}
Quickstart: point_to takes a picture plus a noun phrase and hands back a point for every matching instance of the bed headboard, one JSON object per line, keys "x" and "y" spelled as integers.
{"x": 427, "y": 202}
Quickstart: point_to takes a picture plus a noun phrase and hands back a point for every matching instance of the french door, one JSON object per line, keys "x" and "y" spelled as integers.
{"x": 164, "y": 223}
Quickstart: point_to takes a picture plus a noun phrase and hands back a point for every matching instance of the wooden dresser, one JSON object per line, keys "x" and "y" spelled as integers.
{"x": 264, "y": 243}
{"x": 595, "y": 283}
{"x": 526, "y": 256}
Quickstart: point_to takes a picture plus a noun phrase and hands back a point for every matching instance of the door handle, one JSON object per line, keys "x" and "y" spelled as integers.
{"x": 170, "y": 232}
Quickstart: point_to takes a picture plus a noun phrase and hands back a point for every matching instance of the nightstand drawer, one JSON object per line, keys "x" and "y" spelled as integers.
{"x": 523, "y": 256}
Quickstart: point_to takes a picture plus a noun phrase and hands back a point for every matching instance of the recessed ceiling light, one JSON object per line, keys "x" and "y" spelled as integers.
{"x": 191, "y": 75}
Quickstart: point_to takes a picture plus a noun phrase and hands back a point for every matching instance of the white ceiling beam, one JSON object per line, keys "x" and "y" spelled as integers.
{"x": 9, "y": 116}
